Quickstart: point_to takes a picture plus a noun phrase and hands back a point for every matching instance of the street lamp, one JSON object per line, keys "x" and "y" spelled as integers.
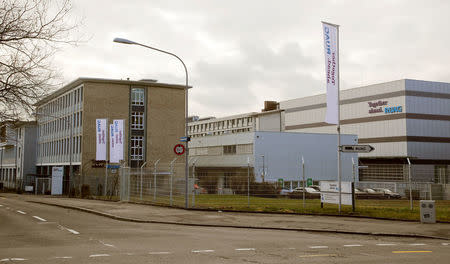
{"x": 129, "y": 42}
{"x": 69, "y": 121}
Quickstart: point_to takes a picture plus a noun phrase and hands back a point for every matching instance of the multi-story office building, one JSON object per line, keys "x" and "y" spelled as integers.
{"x": 401, "y": 119}
{"x": 17, "y": 154}
{"x": 153, "y": 115}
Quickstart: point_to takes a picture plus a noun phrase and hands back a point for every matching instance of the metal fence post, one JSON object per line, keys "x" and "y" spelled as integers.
{"x": 154, "y": 180}
{"x": 410, "y": 187}
{"x": 171, "y": 179}
{"x": 141, "y": 179}
{"x": 248, "y": 181}
{"x": 304, "y": 185}
{"x": 193, "y": 180}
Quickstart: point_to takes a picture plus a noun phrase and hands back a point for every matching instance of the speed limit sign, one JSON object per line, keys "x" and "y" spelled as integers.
{"x": 178, "y": 149}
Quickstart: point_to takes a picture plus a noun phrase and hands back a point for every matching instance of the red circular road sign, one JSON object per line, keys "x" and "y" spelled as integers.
{"x": 179, "y": 149}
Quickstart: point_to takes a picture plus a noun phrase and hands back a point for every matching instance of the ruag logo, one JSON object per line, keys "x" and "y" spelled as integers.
{"x": 327, "y": 39}
{"x": 393, "y": 109}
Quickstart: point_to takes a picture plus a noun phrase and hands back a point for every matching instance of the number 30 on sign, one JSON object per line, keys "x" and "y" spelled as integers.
{"x": 179, "y": 149}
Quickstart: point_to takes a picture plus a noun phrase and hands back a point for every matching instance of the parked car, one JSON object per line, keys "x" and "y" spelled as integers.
{"x": 310, "y": 193}
{"x": 285, "y": 191}
{"x": 388, "y": 193}
{"x": 315, "y": 187}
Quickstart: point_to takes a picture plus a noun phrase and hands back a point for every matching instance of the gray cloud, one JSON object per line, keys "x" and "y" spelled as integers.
{"x": 240, "y": 53}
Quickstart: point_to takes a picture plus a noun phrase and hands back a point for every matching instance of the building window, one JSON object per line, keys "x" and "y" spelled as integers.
{"x": 137, "y": 96}
{"x": 230, "y": 149}
{"x": 137, "y": 148}
{"x": 137, "y": 120}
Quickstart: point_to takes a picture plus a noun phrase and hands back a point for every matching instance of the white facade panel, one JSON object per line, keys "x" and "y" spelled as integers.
{"x": 269, "y": 122}
{"x": 427, "y": 105}
{"x": 222, "y": 140}
{"x": 429, "y": 150}
{"x": 428, "y": 128}
{"x": 427, "y": 86}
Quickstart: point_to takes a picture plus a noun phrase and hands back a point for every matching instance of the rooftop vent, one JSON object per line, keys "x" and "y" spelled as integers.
{"x": 148, "y": 80}
{"x": 270, "y": 105}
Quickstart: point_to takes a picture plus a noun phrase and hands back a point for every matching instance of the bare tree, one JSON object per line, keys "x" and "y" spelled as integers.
{"x": 30, "y": 33}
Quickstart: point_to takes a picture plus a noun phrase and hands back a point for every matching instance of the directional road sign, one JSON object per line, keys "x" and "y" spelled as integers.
{"x": 185, "y": 139}
{"x": 356, "y": 148}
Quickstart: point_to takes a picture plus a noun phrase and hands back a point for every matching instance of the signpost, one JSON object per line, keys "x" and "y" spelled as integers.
{"x": 57, "y": 180}
{"x": 309, "y": 182}
{"x": 329, "y": 192}
{"x": 179, "y": 149}
{"x": 281, "y": 182}
{"x": 356, "y": 148}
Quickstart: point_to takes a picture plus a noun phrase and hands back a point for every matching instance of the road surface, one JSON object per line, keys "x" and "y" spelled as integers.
{"x": 35, "y": 233}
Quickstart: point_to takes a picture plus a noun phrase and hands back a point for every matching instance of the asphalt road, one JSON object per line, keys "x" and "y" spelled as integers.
{"x": 34, "y": 233}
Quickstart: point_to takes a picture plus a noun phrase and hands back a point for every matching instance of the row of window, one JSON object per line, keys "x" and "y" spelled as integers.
{"x": 237, "y": 122}
{"x": 71, "y": 98}
{"x": 60, "y": 147}
{"x": 216, "y": 133}
{"x": 137, "y": 96}
{"x": 61, "y": 124}
{"x": 137, "y": 148}
{"x": 137, "y": 122}
{"x": 7, "y": 174}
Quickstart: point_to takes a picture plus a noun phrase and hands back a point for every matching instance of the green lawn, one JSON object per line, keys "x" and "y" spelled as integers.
{"x": 392, "y": 209}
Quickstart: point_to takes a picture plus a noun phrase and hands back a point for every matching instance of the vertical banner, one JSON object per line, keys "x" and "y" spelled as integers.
{"x": 117, "y": 136}
{"x": 331, "y": 45}
{"x": 101, "y": 134}
{"x": 112, "y": 145}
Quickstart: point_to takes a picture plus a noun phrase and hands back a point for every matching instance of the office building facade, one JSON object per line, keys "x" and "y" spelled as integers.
{"x": 153, "y": 115}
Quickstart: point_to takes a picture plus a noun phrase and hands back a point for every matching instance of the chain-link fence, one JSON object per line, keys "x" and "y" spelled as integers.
{"x": 161, "y": 183}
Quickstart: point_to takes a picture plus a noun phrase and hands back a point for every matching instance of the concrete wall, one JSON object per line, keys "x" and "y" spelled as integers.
{"x": 165, "y": 123}
{"x": 283, "y": 151}
{"x": 270, "y": 122}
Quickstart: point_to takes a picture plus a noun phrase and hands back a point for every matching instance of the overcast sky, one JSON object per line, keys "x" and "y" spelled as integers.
{"x": 241, "y": 53}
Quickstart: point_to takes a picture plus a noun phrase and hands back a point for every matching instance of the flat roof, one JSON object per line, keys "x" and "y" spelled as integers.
{"x": 81, "y": 80}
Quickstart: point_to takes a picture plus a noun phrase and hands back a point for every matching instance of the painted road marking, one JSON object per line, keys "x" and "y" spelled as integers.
{"x": 105, "y": 244}
{"x": 417, "y": 244}
{"x": 386, "y": 244}
{"x": 318, "y": 255}
{"x": 12, "y": 259}
{"x": 203, "y": 251}
{"x": 65, "y": 257}
{"x": 315, "y": 247}
{"x": 244, "y": 249}
{"x": 159, "y": 253}
{"x": 445, "y": 244}
{"x": 356, "y": 245}
{"x": 1, "y": 205}
{"x": 38, "y": 218}
{"x": 73, "y": 231}
{"x": 21, "y": 212}
{"x": 418, "y": 251}
{"x": 98, "y": 255}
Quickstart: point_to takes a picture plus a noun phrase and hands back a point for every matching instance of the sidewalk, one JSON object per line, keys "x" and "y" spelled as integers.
{"x": 148, "y": 213}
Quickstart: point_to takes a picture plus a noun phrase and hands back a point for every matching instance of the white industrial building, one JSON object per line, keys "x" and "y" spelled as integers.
{"x": 226, "y": 149}
{"x": 401, "y": 119}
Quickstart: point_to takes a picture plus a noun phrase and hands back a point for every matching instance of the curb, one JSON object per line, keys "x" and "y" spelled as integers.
{"x": 126, "y": 219}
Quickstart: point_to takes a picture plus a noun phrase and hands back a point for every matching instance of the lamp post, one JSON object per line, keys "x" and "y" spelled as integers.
{"x": 70, "y": 122}
{"x": 129, "y": 42}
